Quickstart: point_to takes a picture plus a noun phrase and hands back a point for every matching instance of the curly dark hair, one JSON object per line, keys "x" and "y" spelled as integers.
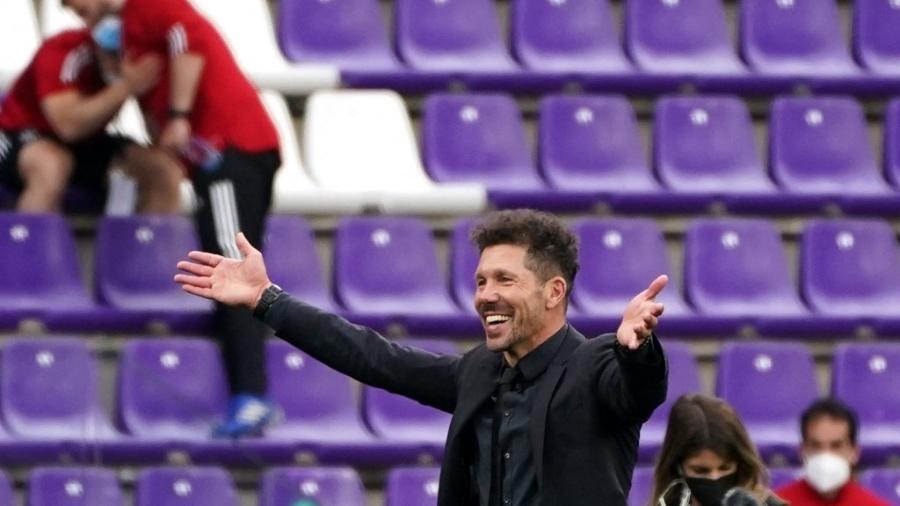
{"x": 552, "y": 249}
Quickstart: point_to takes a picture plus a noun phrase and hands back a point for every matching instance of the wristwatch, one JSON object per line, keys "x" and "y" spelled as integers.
{"x": 269, "y": 296}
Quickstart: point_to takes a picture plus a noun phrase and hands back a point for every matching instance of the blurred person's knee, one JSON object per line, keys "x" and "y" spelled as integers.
{"x": 45, "y": 167}
{"x": 159, "y": 178}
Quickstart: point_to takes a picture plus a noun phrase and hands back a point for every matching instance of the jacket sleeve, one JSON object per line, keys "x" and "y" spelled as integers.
{"x": 366, "y": 356}
{"x": 630, "y": 384}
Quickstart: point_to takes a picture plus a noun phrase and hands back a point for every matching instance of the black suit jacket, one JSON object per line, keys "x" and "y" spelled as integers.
{"x": 588, "y": 409}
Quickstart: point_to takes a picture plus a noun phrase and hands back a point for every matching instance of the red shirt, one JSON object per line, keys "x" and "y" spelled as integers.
{"x": 63, "y": 62}
{"x": 800, "y": 493}
{"x": 227, "y": 111}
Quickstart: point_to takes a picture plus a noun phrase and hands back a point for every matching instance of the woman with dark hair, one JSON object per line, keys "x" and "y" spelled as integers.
{"x": 707, "y": 453}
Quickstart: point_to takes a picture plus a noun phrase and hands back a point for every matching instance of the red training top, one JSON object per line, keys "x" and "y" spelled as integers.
{"x": 800, "y": 493}
{"x": 227, "y": 111}
{"x": 63, "y": 62}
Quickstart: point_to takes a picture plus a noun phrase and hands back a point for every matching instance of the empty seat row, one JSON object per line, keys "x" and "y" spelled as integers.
{"x": 553, "y": 41}
{"x": 589, "y": 150}
{"x": 171, "y": 391}
{"x": 213, "y": 486}
{"x": 735, "y": 274}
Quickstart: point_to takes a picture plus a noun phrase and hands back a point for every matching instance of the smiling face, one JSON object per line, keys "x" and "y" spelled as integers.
{"x": 512, "y": 300}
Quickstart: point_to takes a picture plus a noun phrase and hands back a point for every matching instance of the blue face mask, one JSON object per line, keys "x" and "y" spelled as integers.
{"x": 108, "y": 34}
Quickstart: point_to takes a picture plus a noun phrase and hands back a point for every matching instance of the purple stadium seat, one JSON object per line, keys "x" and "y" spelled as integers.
{"x": 134, "y": 264}
{"x": 457, "y": 37}
{"x": 738, "y": 268}
{"x": 785, "y": 372}
{"x": 73, "y": 486}
{"x": 891, "y": 142}
{"x": 171, "y": 391}
{"x": 386, "y": 272}
{"x": 463, "y": 264}
{"x": 866, "y": 376}
{"x": 794, "y": 37}
{"x": 571, "y": 36}
{"x": 876, "y": 40}
{"x": 177, "y": 486}
{"x": 705, "y": 145}
{"x": 884, "y": 482}
{"x": 412, "y": 486}
{"x": 592, "y": 143}
{"x": 40, "y": 273}
{"x": 820, "y": 146}
{"x": 404, "y": 422}
{"x": 322, "y": 486}
{"x": 49, "y": 392}
{"x": 851, "y": 268}
{"x": 321, "y": 415}
{"x": 481, "y": 138}
{"x": 637, "y": 250}
{"x": 293, "y": 261}
{"x": 781, "y": 476}
{"x": 684, "y": 378}
{"x": 680, "y": 37}
{"x": 641, "y": 486}
{"x": 350, "y": 34}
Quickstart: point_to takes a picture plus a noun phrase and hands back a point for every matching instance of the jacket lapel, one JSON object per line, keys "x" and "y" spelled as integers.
{"x": 545, "y": 388}
{"x": 479, "y": 385}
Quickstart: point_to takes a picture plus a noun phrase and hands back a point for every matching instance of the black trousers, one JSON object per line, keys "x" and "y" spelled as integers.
{"x": 235, "y": 196}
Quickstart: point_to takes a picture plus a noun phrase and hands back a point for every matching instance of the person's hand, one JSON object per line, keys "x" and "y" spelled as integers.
{"x": 176, "y": 136}
{"x": 140, "y": 75}
{"x": 641, "y": 315}
{"x": 226, "y": 280}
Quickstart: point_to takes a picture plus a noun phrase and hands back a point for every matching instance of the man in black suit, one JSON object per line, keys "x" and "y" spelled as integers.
{"x": 541, "y": 415}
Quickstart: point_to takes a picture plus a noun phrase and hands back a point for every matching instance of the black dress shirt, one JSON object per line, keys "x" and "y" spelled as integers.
{"x": 505, "y": 469}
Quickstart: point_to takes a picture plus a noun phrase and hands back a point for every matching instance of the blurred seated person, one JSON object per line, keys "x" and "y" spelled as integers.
{"x": 830, "y": 452}
{"x": 707, "y": 459}
{"x": 53, "y": 127}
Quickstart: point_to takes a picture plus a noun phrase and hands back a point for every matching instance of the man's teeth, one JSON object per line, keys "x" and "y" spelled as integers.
{"x": 496, "y": 318}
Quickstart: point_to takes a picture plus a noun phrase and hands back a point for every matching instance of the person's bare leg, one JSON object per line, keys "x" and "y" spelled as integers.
{"x": 158, "y": 176}
{"x": 45, "y": 167}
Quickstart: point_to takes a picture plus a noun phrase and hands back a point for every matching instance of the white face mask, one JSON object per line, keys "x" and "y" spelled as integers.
{"x": 826, "y": 471}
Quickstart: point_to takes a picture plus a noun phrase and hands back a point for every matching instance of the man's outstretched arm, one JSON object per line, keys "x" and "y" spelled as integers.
{"x": 356, "y": 351}
{"x": 632, "y": 373}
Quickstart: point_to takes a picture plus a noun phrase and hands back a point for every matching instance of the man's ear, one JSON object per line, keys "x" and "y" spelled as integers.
{"x": 555, "y": 292}
{"x": 855, "y": 454}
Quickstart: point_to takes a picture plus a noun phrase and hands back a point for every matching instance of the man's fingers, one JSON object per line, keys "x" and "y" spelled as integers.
{"x": 656, "y": 287}
{"x": 203, "y": 257}
{"x": 244, "y": 245}
{"x": 657, "y": 309}
{"x": 202, "y": 292}
{"x": 651, "y": 321}
{"x": 193, "y": 281}
{"x": 194, "y": 268}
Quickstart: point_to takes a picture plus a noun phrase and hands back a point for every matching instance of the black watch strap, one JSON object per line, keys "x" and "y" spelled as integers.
{"x": 269, "y": 296}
